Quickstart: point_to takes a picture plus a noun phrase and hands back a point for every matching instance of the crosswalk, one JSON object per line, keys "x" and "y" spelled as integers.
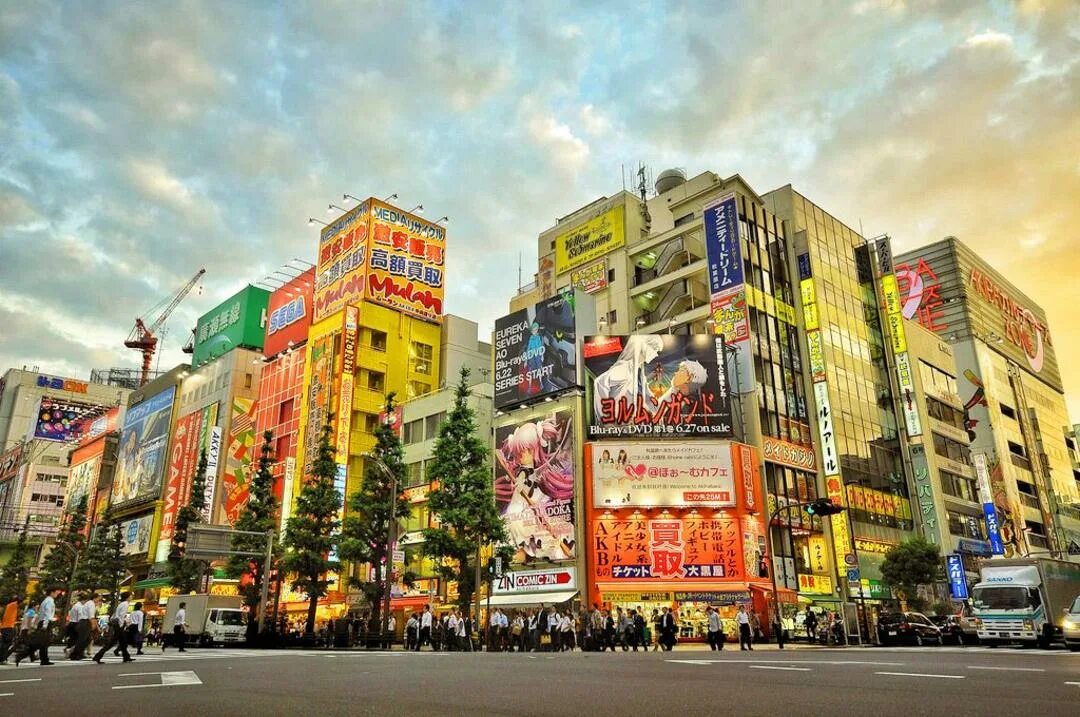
{"x": 153, "y": 656}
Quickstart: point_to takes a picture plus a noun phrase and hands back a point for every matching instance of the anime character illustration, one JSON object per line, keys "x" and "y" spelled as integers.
{"x": 628, "y": 378}
{"x": 978, "y": 398}
{"x": 534, "y": 487}
{"x": 689, "y": 377}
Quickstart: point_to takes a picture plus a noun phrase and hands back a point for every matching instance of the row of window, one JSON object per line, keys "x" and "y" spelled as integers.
{"x": 423, "y": 429}
{"x": 953, "y": 450}
{"x": 945, "y": 413}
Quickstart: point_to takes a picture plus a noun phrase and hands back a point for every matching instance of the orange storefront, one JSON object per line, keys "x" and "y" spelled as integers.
{"x": 678, "y": 525}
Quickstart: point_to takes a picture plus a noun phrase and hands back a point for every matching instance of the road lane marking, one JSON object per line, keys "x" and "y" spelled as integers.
{"x": 921, "y": 674}
{"x": 1073, "y": 683}
{"x": 32, "y": 679}
{"x": 168, "y": 679}
{"x": 788, "y": 662}
{"x": 1007, "y": 669}
{"x": 773, "y": 667}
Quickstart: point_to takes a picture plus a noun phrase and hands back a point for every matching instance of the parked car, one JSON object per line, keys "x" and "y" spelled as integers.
{"x": 907, "y": 628}
{"x": 952, "y": 631}
{"x": 1071, "y": 625}
{"x": 969, "y": 625}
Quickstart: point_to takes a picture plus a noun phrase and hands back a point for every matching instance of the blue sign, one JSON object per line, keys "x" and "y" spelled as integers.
{"x": 133, "y": 531}
{"x": 954, "y": 570}
{"x": 975, "y": 547}
{"x": 287, "y": 314}
{"x": 853, "y": 575}
{"x": 804, "y": 266}
{"x": 993, "y": 529}
{"x": 722, "y": 245}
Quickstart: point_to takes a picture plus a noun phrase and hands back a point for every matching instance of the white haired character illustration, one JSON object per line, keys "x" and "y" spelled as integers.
{"x": 628, "y": 376}
{"x": 689, "y": 377}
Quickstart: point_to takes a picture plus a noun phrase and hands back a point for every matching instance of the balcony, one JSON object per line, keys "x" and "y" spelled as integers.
{"x": 670, "y": 257}
{"x": 676, "y": 298}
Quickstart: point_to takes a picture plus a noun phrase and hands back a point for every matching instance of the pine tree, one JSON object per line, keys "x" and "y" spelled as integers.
{"x": 58, "y": 567}
{"x": 16, "y": 573}
{"x": 311, "y": 532}
{"x": 464, "y": 499}
{"x": 102, "y": 566}
{"x": 185, "y": 573}
{"x": 260, "y": 516}
{"x": 364, "y": 534}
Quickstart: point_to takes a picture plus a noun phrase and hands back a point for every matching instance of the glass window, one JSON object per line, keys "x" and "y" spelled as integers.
{"x": 413, "y": 432}
{"x": 375, "y": 380}
{"x": 377, "y": 340}
{"x": 432, "y": 423}
{"x": 417, "y": 388}
{"x": 422, "y": 358}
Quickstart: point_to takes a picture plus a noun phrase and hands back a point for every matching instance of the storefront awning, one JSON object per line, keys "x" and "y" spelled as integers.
{"x": 784, "y": 594}
{"x": 532, "y": 598}
{"x": 152, "y": 583}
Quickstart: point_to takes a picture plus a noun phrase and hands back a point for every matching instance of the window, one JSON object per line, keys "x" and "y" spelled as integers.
{"x": 953, "y": 450}
{"x": 432, "y": 423}
{"x": 417, "y": 388}
{"x": 612, "y": 317}
{"x": 1007, "y": 411}
{"x": 945, "y": 413}
{"x": 684, "y": 219}
{"x": 414, "y": 474}
{"x": 375, "y": 380}
{"x": 611, "y": 276}
{"x": 413, "y": 432}
{"x": 965, "y": 526}
{"x": 247, "y": 380}
{"x": 285, "y": 411}
{"x": 371, "y": 422}
{"x": 1016, "y": 449}
{"x": 958, "y": 486}
{"x": 421, "y": 355}
{"x": 377, "y": 340}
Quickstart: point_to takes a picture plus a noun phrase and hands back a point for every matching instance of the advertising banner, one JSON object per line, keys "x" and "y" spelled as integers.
{"x": 213, "y": 457}
{"x": 516, "y": 582}
{"x": 320, "y": 385}
{"x": 407, "y": 263}
{"x": 240, "y": 320}
{"x": 61, "y": 420}
{"x": 289, "y": 311}
{"x": 591, "y": 240}
{"x": 993, "y": 529}
{"x": 135, "y": 535}
{"x": 954, "y": 570}
{"x": 686, "y": 549}
{"x": 788, "y": 454}
{"x": 721, "y": 219}
{"x": 340, "y": 270}
{"x": 105, "y": 423}
{"x": 82, "y": 481}
{"x": 190, "y": 437}
{"x": 144, "y": 439}
{"x": 534, "y": 486}
{"x": 236, "y": 480}
{"x": 536, "y": 351}
{"x": 591, "y": 278}
{"x": 662, "y": 474}
{"x": 346, "y": 382}
{"x": 731, "y": 320}
{"x": 656, "y": 386}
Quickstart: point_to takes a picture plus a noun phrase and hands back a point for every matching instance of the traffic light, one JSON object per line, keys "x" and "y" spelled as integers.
{"x": 823, "y": 507}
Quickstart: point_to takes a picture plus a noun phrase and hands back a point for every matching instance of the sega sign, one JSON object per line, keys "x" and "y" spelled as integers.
{"x": 289, "y": 315}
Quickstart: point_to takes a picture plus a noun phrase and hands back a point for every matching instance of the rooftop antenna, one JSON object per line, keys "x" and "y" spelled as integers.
{"x": 519, "y": 270}
{"x": 643, "y": 190}
{"x": 622, "y": 170}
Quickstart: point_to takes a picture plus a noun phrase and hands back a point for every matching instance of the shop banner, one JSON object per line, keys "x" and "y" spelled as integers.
{"x": 407, "y": 264}
{"x": 536, "y": 581}
{"x": 593, "y": 239}
{"x": 340, "y": 271}
{"x": 788, "y": 454}
{"x": 290, "y": 310}
{"x": 534, "y": 486}
{"x": 662, "y": 474}
{"x": 721, "y": 219}
{"x": 236, "y": 481}
{"x": 730, "y": 313}
{"x": 826, "y": 431}
{"x": 144, "y": 439}
{"x": 954, "y": 569}
{"x": 591, "y": 278}
{"x": 638, "y": 548}
{"x": 189, "y": 439}
{"x": 62, "y": 421}
{"x": 536, "y": 351}
{"x": 656, "y": 387}
{"x": 135, "y": 535}
{"x": 213, "y": 457}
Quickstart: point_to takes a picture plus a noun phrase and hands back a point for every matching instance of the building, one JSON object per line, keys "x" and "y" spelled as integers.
{"x": 1010, "y": 383}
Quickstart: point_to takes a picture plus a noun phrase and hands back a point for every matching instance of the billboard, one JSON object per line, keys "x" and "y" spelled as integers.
{"x": 320, "y": 387}
{"x": 662, "y": 474}
{"x": 105, "y": 423}
{"x": 656, "y": 386}
{"x": 722, "y": 249}
{"x": 82, "y": 480}
{"x": 190, "y": 437}
{"x": 240, "y": 320}
{"x": 135, "y": 535}
{"x": 62, "y": 420}
{"x": 687, "y": 549}
{"x": 534, "y": 486}
{"x": 407, "y": 263}
{"x": 536, "y": 351}
{"x": 339, "y": 273}
{"x": 143, "y": 443}
{"x": 591, "y": 278}
{"x": 587, "y": 242}
{"x": 289, "y": 314}
{"x": 236, "y": 481}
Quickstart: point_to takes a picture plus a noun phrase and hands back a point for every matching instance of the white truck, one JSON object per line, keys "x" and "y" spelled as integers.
{"x": 211, "y": 619}
{"x": 1024, "y": 600}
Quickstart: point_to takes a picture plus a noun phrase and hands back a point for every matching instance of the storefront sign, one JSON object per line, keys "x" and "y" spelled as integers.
{"x": 238, "y": 321}
{"x": 715, "y": 597}
{"x": 621, "y": 597}
{"x": 1022, "y": 327}
{"x": 638, "y": 548}
{"x": 62, "y": 384}
{"x": 730, "y": 314}
{"x": 993, "y": 528}
{"x": 872, "y": 546}
{"x": 591, "y": 278}
{"x": 62, "y": 420}
{"x": 925, "y": 494}
{"x": 213, "y": 456}
{"x": 407, "y": 262}
{"x": 819, "y": 554}
{"x": 343, "y": 252}
{"x": 536, "y": 581}
{"x": 591, "y": 240}
{"x": 788, "y": 454}
{"x": 816, "y": 348}
{"x": 346, "y": 383}
{"x": 135, "y": 535}
{"x": 826, "y": 431}
{"x": 974, "y": 547}
{"x": 536, "y": 351}
{"x": 920, "y": 291}
{"x": 954, "y": 570}
{"x": 815, "y": 584}
{"x": 907, "y": 395}
{"x": 665, "y": 474}
{"x": 288, "y": 481}
{"x": 747, "y": 467}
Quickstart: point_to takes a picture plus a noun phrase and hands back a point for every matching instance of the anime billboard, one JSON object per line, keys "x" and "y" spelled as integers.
{"x": 535, "y": 351}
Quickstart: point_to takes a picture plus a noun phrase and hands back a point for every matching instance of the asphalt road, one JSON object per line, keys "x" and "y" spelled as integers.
{"x": 833, "y": 682}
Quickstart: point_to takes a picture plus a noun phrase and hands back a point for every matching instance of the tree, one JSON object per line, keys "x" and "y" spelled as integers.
{"x": 16, "y": 573}
{"x": 910, "y": 564}
{"x": 258, "y": 516}
{"x": 311, "y": 532}
{"x": 58, "y": 567}
{"x": 464, "y": 498}
{"x": 365, "y": 531}
{"x": 102, "y": 566}
{"x": 186, "y": 573}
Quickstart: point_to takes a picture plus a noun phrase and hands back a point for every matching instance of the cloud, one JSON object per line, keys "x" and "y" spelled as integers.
{"x": 989, "y": 38}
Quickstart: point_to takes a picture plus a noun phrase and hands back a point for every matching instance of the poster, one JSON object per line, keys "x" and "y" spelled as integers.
{"x": 144, "y": 439}
{"x": 591, "y": 240}
{"x": 61, "y": 420}
{"x": 82, "y": 481}
{"x": 189, "y": 439}
{"x": 687, "y": 549}
{"x": 591, "y": 278}
{"x": 655, "y": 387}
{"x": 536, "y": 351}
{"x": 236, "y": 481}
{"x": 721, "y": 219}
{"x": 135, "y": 535}
{"x": 534, "y": 486}
{"x": 664, "y": 473}
{"x": 406, "y": 263}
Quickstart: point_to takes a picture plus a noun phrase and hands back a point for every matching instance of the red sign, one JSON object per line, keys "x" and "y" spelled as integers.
{"x": 747, "y": 471}
{"x": 920, "y": 293}
{"x": 181, "y": 469}
{"x": 686, "y": 549}
{"x": 289, "y": 314}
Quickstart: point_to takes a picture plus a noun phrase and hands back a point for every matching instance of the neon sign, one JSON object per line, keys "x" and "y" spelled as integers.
{"x": 920, "y": 289}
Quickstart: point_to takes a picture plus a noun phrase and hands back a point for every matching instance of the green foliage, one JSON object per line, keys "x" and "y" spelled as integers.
{"x": 260, "y": 516}
{"x": 910, "y": 564}
{"x": 364, "y": 534}
{"x": 185, "y": 573}
{"x": 102, "y": 566}
{"x": 311, "y": 532}
{"x": 464, "y": 501}
{"x": 16, "y": 573}
{"x": 58, "y": 567}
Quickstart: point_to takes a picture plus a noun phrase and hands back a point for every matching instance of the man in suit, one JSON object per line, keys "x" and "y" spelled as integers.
{"x": 667, "y": 629}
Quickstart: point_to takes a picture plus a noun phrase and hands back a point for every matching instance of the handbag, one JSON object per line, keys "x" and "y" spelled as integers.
{"x": 516, "y": 630}
{"x": 545, "y": 639}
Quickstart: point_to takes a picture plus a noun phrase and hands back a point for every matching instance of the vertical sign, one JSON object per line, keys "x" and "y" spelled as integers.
{"x": 345, "y": 397}
{"x": 288, "y": 482}
{"x": 894, "y": 319}
{"x": 728, "y": 306}
{"x": 993, "y": 527}
{"x": 924, "y": 491}
{"x": 954, "y": 568}
{"x": 213, "y": 455}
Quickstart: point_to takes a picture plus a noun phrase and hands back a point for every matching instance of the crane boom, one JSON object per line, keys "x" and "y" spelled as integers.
{"x": 144, "y": 339}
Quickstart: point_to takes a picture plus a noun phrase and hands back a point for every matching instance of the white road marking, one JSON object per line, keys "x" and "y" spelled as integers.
{"x": 789, "y": 662}
{"x": 769, "y": 667}
{"x": 1006, "y": 669}
{"x": 7, "y": 694}
{"x": 1073, "y": 683}
{"x": 921, "y": 674}
{"x": 31, "y": 679}
{"x": 168, "y": 679}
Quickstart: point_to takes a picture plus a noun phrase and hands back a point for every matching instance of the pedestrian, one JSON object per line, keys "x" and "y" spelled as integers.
{"x": 463, "y": 638}
{"x": 715, "y": 629}
{"x": 742, "y": 619}
{"x": 810, "y": 621}
{"x": 179, "y": 629}
{"x": 639, "y": 631}
{"x": 425, "y": 628}
{"x": 755, "y": 626}
{"x": 117, "y": 631}
{"x": 452, "y": 631}
{"x": 494, "y": 623}
{"x": 40, "y": 637}
{"x": 566, "y": 632}
{"x": 667, "y": 629}
{"x": 71, "y": 626}
{"x": 7, "y": 628}
{"x": 504, "y": 631}
{"x": 84, "y": 628}
{"x": 412, "y": 632}
{"x": 609, "y": 630}
{"x": 26, "y": 632}
{"x": 135, "y": 628}
{"x": 391, "y": 632}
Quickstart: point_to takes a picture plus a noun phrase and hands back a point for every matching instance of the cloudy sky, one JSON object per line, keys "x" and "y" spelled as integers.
{"x": 140, "y": 141}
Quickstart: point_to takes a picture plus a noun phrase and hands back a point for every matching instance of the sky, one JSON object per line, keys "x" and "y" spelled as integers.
{"x": 140, "y": 141}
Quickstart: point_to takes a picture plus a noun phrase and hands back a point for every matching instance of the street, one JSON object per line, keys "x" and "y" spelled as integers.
{"x": 808, "y": 681}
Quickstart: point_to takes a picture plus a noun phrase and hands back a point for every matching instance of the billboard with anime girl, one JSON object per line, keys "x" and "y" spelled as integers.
{"x": 534, "y": 486}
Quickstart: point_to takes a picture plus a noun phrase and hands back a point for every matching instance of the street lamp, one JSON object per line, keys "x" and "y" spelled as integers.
{"x": 418, "y": 209}
{"x": 331, "y": 207}
{"x": 391, "y": 536}
{"x": 312, "y": 221}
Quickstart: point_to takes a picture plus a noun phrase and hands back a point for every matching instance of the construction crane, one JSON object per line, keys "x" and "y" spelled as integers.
{"x": 144, "y": 338}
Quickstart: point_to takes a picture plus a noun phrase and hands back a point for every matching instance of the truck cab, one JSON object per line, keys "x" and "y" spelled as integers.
{"x": 225, "y": 626}
{"x": 1024, "y": 600}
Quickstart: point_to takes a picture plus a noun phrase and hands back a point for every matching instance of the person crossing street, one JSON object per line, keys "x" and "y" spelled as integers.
{"x": 117, "y": 631}
{"x": 746, "y": 641}
{"x": 40, "y": 638}
{"x": 179, "y": 629}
